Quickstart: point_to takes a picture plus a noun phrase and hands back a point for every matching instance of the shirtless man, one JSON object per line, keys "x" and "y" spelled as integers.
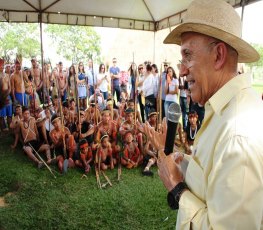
{"x": 36, "y": 72}
{"x": 6, "y": 111}
{"x": 62, "y": 82}
{"x": 17, "y": 85}
{"x": 93, "y": 115}
{"x": 46, "y": 81}
{"x": 30, "y": 136}
{"x": 63, "y": 142}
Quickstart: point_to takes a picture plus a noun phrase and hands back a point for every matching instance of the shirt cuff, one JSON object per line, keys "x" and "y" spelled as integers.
{"x": 189, "y": 205}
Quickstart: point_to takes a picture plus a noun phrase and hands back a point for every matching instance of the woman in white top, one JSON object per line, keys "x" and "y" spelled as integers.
{"x": 171, "y": 89}
{"x": 103, "y": 81}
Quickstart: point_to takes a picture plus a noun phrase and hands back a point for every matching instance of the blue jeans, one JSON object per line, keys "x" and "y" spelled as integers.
{"x": 105, "y": 95}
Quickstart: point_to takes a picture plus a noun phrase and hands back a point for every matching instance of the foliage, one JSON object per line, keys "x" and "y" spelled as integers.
{"x": 19, "y": 38}
{"x": 76, "y": 43}
{"x": 38, "y": 201}
{"x": 259, "y": 63}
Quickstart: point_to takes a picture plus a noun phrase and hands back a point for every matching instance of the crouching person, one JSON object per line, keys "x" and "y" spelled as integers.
{"x": 30, "y": 136}
{"x": 64, "y": 144}
{"x": 86, "y": 156}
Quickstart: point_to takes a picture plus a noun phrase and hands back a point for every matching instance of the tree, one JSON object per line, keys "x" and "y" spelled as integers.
{"x": 259, "y": 63}
{"x": 19, "y": 38}
{"x": 75, "y": 43}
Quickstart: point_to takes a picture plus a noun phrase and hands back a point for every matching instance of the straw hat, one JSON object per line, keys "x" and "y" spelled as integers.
{"x": 217, "y": 19}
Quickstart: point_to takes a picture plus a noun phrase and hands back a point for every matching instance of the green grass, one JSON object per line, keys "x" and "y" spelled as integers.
{"x": 38, "y": 201}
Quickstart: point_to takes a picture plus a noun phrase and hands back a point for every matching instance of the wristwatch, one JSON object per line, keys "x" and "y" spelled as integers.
{"x": 174, "y": 195}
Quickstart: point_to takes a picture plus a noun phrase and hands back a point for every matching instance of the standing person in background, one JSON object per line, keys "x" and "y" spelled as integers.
{"x": 62, "y": 82}
{"x": 139, "y": 83}
{"x": 36, "y": 73}
{"x": 164, "y": 73}
{"x": 171, "y": 89}
{"x": 82, "y": 89}
{"x": 133, "y": 77}
{"x": 6, "y": 111}
{"x": 103, "y": 81}
{"x": 91, "y": 74}
{"x": 221, "y": 187}
{"x": 183, "y": 86}
{"x": 156, "y": 83}
{"x": 71, "y": 82}
{"x": 17, "y": 85}
{"x": 115, "y": 75}
{"x": 148, "y": 90}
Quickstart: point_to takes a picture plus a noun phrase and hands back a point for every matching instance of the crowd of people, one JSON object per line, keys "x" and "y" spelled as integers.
{"x": 75, "y": 114}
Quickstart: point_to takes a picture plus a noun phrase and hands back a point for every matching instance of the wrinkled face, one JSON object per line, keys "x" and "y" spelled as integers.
{"x": 106, "y": 117}
{"x": 197, "y": 65}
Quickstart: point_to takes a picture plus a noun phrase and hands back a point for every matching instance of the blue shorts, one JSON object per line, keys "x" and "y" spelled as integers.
{"x": 7, "y": 110}
{"x": 19, "y": 98}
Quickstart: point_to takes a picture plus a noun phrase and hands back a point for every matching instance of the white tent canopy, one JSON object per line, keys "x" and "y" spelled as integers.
{"x": 149, "y": 15}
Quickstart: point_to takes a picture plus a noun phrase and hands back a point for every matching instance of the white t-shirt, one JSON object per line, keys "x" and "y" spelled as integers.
{"x": 172, "y": 86}
{"x": 104, "y": 84}
{"x": 148, "y": 85}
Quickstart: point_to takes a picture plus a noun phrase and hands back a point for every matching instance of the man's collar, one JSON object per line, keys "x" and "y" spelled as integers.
{"x": 223, "y": 96}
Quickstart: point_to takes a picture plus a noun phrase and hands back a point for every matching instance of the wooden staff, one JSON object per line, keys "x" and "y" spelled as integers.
{"x": 77, "y": 96}
{"x": 160, "y": 97}
{"x": 97, "y": 168}
{"x": 49, "y": 169}
{"x": 65, "y": 163}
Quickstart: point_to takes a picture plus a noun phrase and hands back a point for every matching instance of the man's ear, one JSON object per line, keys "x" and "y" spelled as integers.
{"x": 220, "y": 50}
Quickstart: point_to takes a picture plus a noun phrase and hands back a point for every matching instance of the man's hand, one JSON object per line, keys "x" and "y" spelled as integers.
{"x": 156, "y": 138}
{"x": 170, "y": 170}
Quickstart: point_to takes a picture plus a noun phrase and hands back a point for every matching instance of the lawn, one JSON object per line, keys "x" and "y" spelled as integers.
{"x": 36, "y": 200}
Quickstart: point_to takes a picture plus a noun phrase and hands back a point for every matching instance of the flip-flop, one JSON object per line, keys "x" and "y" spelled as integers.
{"x": 65, "y": 166}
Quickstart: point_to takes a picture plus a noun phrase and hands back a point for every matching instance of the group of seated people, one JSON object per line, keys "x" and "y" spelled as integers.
{"x": 113, "y": 136}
